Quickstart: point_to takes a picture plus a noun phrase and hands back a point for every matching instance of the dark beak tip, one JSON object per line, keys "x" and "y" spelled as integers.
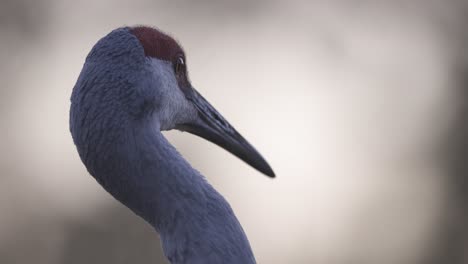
{"x": 271, "y": 174}
{"x": 268, "y": 171}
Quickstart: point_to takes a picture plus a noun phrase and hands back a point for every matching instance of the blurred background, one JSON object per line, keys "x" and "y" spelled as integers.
{"x": 361, "y": 108}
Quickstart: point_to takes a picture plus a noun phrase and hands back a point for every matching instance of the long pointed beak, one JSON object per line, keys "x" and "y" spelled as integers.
{"x": 211, "y": 126}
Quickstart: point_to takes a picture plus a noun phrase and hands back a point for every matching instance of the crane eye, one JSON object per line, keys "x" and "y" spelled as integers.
{"x": 179, "y": 65}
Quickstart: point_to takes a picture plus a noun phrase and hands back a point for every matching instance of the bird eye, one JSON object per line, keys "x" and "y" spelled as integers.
{"x": 179, "y": 65}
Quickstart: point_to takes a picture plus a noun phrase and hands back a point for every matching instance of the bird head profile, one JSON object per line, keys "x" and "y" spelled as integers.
{"x": 138, "y": 75}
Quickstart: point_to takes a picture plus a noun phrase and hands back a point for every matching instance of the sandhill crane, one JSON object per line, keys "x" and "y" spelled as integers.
{"x": 134, "y": 85}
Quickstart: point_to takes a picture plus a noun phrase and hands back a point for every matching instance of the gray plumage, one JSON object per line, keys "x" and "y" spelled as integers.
{"x": 121, "y": 102}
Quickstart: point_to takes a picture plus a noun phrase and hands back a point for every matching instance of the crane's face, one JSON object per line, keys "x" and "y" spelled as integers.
{"x": 168, "y": 80}
{"x": 119, "y": 83}
{"x": 181, "y": 107}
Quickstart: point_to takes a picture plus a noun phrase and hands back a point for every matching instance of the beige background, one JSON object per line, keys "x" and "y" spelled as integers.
{"x": 359, "y": 106}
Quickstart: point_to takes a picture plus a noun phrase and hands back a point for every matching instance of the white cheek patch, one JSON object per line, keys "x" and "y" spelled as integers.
{"x": 174, "y": 107}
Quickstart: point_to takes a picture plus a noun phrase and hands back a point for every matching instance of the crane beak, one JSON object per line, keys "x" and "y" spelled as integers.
{"x": 211, "y": 126}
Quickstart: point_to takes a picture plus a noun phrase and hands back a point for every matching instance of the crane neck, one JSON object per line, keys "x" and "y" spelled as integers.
{"x": 147, "y": 174}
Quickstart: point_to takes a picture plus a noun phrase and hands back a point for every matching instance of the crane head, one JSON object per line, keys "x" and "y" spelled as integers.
{"x": 149, "y": 70}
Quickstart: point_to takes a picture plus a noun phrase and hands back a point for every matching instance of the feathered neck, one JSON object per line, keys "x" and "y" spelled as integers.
{"x": 147, "y": 174}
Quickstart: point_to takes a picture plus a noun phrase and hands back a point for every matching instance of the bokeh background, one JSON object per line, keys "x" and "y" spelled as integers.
{"x": 361, "y": 107}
